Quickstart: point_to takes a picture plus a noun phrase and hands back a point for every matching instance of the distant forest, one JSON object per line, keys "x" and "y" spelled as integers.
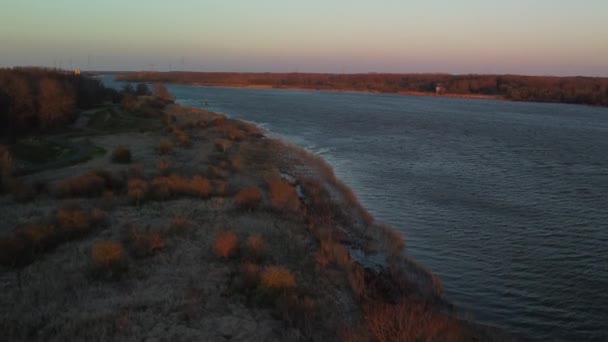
{"x": 576, "y": 90}
{"x": 40, "y": 99}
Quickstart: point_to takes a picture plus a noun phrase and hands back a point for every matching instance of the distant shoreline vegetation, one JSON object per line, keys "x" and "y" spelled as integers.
{"x": 573, "y": 90}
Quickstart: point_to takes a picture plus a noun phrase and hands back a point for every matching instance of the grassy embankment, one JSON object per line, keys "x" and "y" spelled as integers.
{"x": 197, "y": 226}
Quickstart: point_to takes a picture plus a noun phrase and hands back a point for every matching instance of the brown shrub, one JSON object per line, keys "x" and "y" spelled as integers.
{"x": 165, "y": 146}
{"x": 121, "y": 155}
{"x": 6, "y": 168}
{"x": 164, "y": 167}
{"x": 39, "y": 235}
{"x": 226, "y": 244}
{"x": 356, "y": 279}
{"x": 409, "y": 321}
{"x": 393, "y": 239}
{"x": 183, "y": 139}
{"x": 236, "y": 163}
{"x": 277, "y": 277}
{"x": 109, "y": 257}
{"x": 248, "y": 198}
{"x": 231, "y": 132}
{"x": 255, "y": 246}
{"x": 200, "y": 186}
{"x": 144, "y": 243}
{"x": 283, "y": 196}
{"x": 74, "y": 220}
{"x": 90, "y": 184}
{"x": 161, "y": 189}
{"x": 137, "y": 190}
{"x": 25, "y": 243}
{"x": 179, "y": 185}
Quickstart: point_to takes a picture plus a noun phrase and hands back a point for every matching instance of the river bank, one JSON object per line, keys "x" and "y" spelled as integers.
{"x": 211, "y": 231}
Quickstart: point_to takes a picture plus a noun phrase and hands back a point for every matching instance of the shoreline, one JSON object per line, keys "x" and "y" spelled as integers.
{"x": 405, "y": 93}
{"x": 310, "y": 222}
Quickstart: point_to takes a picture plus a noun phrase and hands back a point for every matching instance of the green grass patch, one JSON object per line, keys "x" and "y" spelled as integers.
{"x": 38, "y": 151}
{"x": 113, "y": 119}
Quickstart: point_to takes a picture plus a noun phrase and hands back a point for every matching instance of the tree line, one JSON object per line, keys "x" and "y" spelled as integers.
{"x": 40, "y": 99}
{"x": 575, "y": 90}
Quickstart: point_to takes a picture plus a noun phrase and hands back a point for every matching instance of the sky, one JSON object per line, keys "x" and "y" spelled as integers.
{"x": 538, "y": 37}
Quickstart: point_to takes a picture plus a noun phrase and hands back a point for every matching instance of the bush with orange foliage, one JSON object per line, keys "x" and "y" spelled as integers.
{"x": 137, "y": 189}
{"x": 90, "y": 184}
{"x": 165, "y": 146}
{"x": 164, "y": 187}
{"x": 25, "y": 243}
{"x": 6, "y": 168}
{"x": 109, "y": 258}
{"x": 164, "y": 167}
{"x": 283, "y": 195}
{"x": 121, "y": 155}
{"x": 232, "y": 132}
{"x": 248, "y": 198}
{"x": 200, "y": 186}
{"x": 226, "y": 244}
{"x": 409, "y": 320}
{"x": 73, "y": 220}
{"x": 277, "y": 277}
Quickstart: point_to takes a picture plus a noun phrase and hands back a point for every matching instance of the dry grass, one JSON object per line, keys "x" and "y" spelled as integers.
{"x": 121, "y": 155}
{"x": 226, "y": 244}
{"x": 248, "y": 198}
{"x": 143, "y": 242}
{"x": 283, "y": 196}
{"x": 109, "y": 258}
{"x": 183, "y": 138}
{"x": 179, "y": 225}
{"x": 221, "y": 145}
{"x": 250, "y": 273}
{"x": 165, "y": 146}
{"x": 277, "y": 277}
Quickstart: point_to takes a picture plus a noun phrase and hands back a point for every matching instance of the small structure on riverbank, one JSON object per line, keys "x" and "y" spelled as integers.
{"x": 440, "y": 89}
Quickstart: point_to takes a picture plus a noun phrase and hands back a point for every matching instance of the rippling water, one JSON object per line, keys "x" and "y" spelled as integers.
{"x": 507, "y": 202}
